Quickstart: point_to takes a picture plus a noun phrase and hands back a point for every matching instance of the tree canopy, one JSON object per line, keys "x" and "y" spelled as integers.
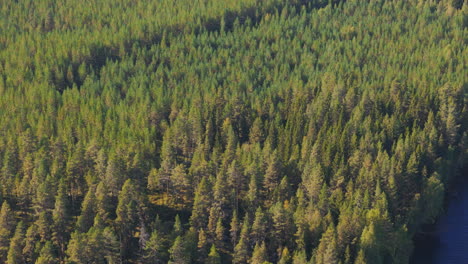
{"x": 216, "y": 131}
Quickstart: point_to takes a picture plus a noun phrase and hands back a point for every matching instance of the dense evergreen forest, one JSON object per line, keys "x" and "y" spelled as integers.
{"x": 221, "y": 131}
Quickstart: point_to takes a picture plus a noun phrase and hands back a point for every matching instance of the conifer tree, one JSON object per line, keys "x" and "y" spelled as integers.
{"x": 273, "y": 172}
{"x": 127, "y": 215}
{"x": 178, "y": 254}
{"x": 370, "y": 244}
{"x": 88, "y": 211}
{"x": 199, "y": 217}
{"x": 327, "y": 249}
{"x": 213, "y": 256}
{"x": 234, "y": 231}
{"x": 213, "y": 113}
{"x": 60, "y": 217}
{"x": 259, "y": 227}
{"x": 177, "y": 229}
{"x": 31, "y": 249}
{"x": 300, "y": 257}
{"x": 181, "y": 185}
{"x": 114, "y": 177}
{"x": 7, "y": 224}
{"x": 15, "y": 254}
{"x": 242, "y": 249}
{"x": 219, "y": 234}
{"x": 104, "y": 204}
{"x": 111, "y": 245}
{"x": 44, "y": 199}
{"x": 285, "y": 257}
{"x": 259, "y": 255}
{"x": 76, "y": 250}
{"x": 202, "y": 246}
{"x": 252, "y": 195}
{"x": 47, "y": 256}
{"x": 154, "y": 248}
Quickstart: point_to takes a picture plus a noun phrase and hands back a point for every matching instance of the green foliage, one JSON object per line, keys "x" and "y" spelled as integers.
{"x": 15, "y": 253}
{"x": 7, "y": 224}
{"x": 286, "y": 131}
{"x": 178, "y": 252}
{"x": 213, "y": 256}
{"x": 259, "y": 255}
{"x": 154, "y": 248}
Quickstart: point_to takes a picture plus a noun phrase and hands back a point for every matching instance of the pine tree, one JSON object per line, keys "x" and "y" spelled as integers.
{"x": 241, "y": 252}
{"x": 199, "y": 217}
{"x": 273, "y": 172}
{"x": 259, "y": 255}
{"x": 44, "y": 199}
{"x": 283, "y": 229}
{"x": 127, "y": 215}
{"x": 242, "y": 249}
{"x": 220, "y": 234}
{"x": 88, "y": 212}
{"x": 213, "y": 218}
{"x": 285, "y": 257}
{"x": 177, "y": 230}
{"x": 360, "y": 259}
{"x": 7, "y": 224}
{"x": 300, "y": 257}
{"x": 76, "y": 250}
{"x": 181, "y": 185}
{"x": 178, "y": 254}
{"x": 15, "y": 254}
{"x": 31, "y": 247}
{"x": 114, "y": 177}
{"x": 221, "y": 192}
{"x": 213, "y": 256}
{"x": 327, "y": 249}
{"x": 100, "y": 164}
{"x": 259, "y": 227}
{"x": 313, "y": 181}
{"x": 44, "y": 225}
{"x": 104, "y": 203}
{"x": 370, "y": 244}
{"x": 47, "y": 255}
{"x": 60, "y": 217}
{"x": 9, "y": 170}
{"x": 111, "y": 245}
{"x": 234, "y": 231}
{"x": 202, "y": 246}
{"x": 154, "y": 248}
{"x": 236, "y": 181}
{"x": 75, "y": 170}
{"x": 256, "y": 132}
{"x": 153, "y": 180}
{"x": 252, "y": 195}
{"x": 283, "y": 190}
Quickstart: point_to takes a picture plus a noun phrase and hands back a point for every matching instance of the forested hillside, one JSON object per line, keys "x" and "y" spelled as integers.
{"x": 220, "y": 131}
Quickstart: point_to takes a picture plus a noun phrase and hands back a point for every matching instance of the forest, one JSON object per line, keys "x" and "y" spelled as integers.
{"x": 220, "y": 131}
